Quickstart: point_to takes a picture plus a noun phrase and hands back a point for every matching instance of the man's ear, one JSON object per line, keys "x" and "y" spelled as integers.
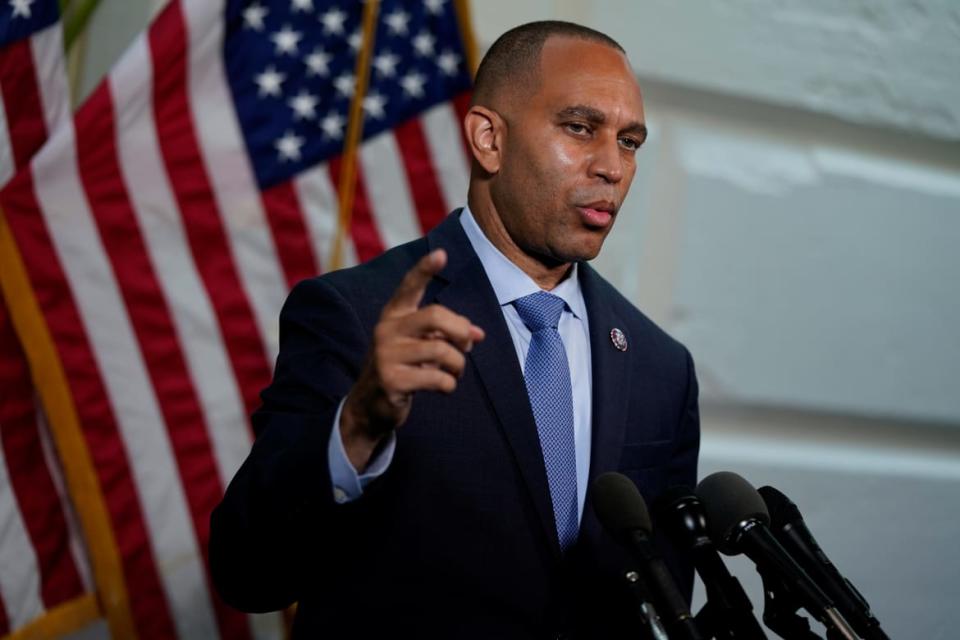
{"x": 484, "y": 129}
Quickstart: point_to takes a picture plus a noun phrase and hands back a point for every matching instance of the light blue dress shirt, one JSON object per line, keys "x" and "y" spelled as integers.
{"x": 509, "y": 283}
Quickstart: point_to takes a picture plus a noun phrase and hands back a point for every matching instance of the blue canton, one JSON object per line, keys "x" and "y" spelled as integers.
{"x": 291, "y": 68}
{"x": 20, "y": 19}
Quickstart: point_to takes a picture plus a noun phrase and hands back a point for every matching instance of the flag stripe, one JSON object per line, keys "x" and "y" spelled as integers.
{"x": 421, "y": 176}
{"x": 230, "y": 171}
{"x": 20, "y": 578}
{"x": 290, "y": 232}
{"x": 443, "y": 136}
{"x": 151, "y": 323}
{"x": 30, "y": 477}
{"x": 47, "y": 49}
{"x": 101, "y": 429}
{"x": 391, "y": 202}
{"x": 461, "y": 105}
{"x": 191, "y": 185}
{"x": 318, "y": 199}
{"x": 21, "y": 101}
{"x": 7, "y": 167}
{"x": 166, "y": 240}
{"x": 74, "y": 537}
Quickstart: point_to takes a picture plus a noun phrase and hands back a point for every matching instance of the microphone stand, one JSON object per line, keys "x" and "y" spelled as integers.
{"x": 780, "y": 612}
{"x": 728, "y": 612}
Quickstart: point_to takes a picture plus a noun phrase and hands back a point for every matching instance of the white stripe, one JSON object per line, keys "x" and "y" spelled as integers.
{"x": 441, "y": 128}
{"x": 47, "y": 46}
{"x": 20, "y": 574}
{"x": 118, "y": 357}
{"x": 155, "y": 207}
{"x": 391, "y": 203}
{"x": 74, "y": 536}
{"x": 231, "y": 175}
{"x": 318, "y": 200}
{"x": 6, "y": 148}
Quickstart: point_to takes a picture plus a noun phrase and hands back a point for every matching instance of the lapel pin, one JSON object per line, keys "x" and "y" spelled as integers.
{"x": 618, "y": 339}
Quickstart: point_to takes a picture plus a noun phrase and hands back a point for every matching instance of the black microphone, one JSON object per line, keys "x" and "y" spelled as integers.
{"x": 622, "y": 511}
{"x": 728, "y": 614}
{"x": 789, "y": 528}
{"x": 738, "y": 519}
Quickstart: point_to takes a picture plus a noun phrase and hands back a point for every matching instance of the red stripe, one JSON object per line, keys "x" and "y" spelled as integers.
{"x": 198, "y": 206}
{"x": 461, "y": 105}
{"x": 4, "y": 621}
{"x": 421, "y": 175}
{"x": 290, "y": 232}
{"x": 21, "y": 101}
{"x": 100, "y": 172}
{"x": 148, "y": 603}
{"x": 363, "y": 230}
{"x": 30, "y": 478}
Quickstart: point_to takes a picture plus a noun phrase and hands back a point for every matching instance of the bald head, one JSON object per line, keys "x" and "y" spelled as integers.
{"x": 511, "y": 67}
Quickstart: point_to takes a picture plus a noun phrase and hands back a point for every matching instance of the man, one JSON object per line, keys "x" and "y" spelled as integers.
{"x": 436, "y": 416}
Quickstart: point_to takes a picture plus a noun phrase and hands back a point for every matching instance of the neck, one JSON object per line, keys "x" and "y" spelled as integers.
{"x": 546, "y": 274}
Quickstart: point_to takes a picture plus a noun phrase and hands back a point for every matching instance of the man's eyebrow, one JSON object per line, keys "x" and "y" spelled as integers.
{"x": 597, "y": 117}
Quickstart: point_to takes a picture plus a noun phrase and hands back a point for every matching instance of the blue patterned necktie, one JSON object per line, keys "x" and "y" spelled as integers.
{"x": 547, "y": 376}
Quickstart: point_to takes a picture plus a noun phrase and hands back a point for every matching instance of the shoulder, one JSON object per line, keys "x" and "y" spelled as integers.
{"x": 366, "y": 287}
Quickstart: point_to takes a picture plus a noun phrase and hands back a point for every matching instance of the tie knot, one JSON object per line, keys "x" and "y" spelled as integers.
{"x": 539, "y": 310}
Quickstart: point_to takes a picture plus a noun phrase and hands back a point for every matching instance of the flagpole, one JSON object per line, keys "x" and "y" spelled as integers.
{"x": 50, "y": 380}
{"x": 348, "y": 170}
{"x": 465, "y": 22}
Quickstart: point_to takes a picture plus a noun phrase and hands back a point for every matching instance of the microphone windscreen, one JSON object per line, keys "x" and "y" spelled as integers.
{"x": 782, "y": 510}
{"x": 619, "y": 505}
{"x": 728, "y": 500}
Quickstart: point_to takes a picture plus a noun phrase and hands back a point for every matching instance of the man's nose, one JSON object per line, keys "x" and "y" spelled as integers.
{"x": 607, "y": 161}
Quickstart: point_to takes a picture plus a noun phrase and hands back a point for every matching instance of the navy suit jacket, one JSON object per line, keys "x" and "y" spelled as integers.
{"x": 457, "y": 538}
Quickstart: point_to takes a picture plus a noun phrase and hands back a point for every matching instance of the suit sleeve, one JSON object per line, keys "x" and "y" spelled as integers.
{"x": 278, "y": 515}
{"x": 683, "y": 465}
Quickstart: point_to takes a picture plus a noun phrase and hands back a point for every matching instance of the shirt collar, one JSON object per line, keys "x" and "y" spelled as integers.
{"x": 508, "y": 280}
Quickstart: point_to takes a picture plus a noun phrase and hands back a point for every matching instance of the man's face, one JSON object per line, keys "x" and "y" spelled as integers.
{"x": 569, "y": 151}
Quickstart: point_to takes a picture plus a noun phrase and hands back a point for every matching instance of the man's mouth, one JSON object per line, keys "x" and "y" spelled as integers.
{"x": 597, "y": 214}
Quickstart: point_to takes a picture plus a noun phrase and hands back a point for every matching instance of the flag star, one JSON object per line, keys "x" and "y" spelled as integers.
{"x": 397, "y": 22}
{"x": 345, "y": 84}
{"x": 318, "y": 63}
{"x": 21, "y": 8}
{"x": 333, "y": 20}
{"x": 435, "y": 6}
{"x": 304, "y": 106}
{"x": 297, "y": 6}
{"x": 373, "y": 104}
{"x": 289, "y": 146}
{"x": 449, "y": 62}
{"x": 412, "y": 84}
{"x": 253, "y": 16}
{"x": 423, "y": 44}
{"x": 286, "y": 40}
{"x": 355, "y": 40}
{"x": 386, "y": 64}
{"x": 332, "y": 125}
{"x": 269, "y": 82}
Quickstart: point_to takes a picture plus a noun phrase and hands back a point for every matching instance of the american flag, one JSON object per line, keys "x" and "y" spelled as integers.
{"x": 162, "y": 227}
{"x": 43, "y": 564}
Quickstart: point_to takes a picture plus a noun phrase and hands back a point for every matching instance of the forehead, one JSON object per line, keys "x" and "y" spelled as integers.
{"x": 577, "y": 71}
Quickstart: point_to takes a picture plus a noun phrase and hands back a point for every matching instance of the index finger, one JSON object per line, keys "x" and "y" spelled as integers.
{"x": 408, "y": 295}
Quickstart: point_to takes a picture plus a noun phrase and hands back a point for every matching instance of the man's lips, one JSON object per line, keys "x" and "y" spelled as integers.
{"x": 597, "y": 214}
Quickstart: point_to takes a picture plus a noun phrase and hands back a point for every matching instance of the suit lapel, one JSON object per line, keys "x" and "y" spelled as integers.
{"x": 611, "y": 384}
{"x": 464, "y": 288}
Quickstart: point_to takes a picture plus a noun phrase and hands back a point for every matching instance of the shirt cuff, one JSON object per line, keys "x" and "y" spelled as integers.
{"x": 348, "y": 485}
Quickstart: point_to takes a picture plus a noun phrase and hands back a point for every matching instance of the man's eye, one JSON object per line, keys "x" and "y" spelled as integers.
{"x": 576, "y": 127}
{"x": 630, "y": 144}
